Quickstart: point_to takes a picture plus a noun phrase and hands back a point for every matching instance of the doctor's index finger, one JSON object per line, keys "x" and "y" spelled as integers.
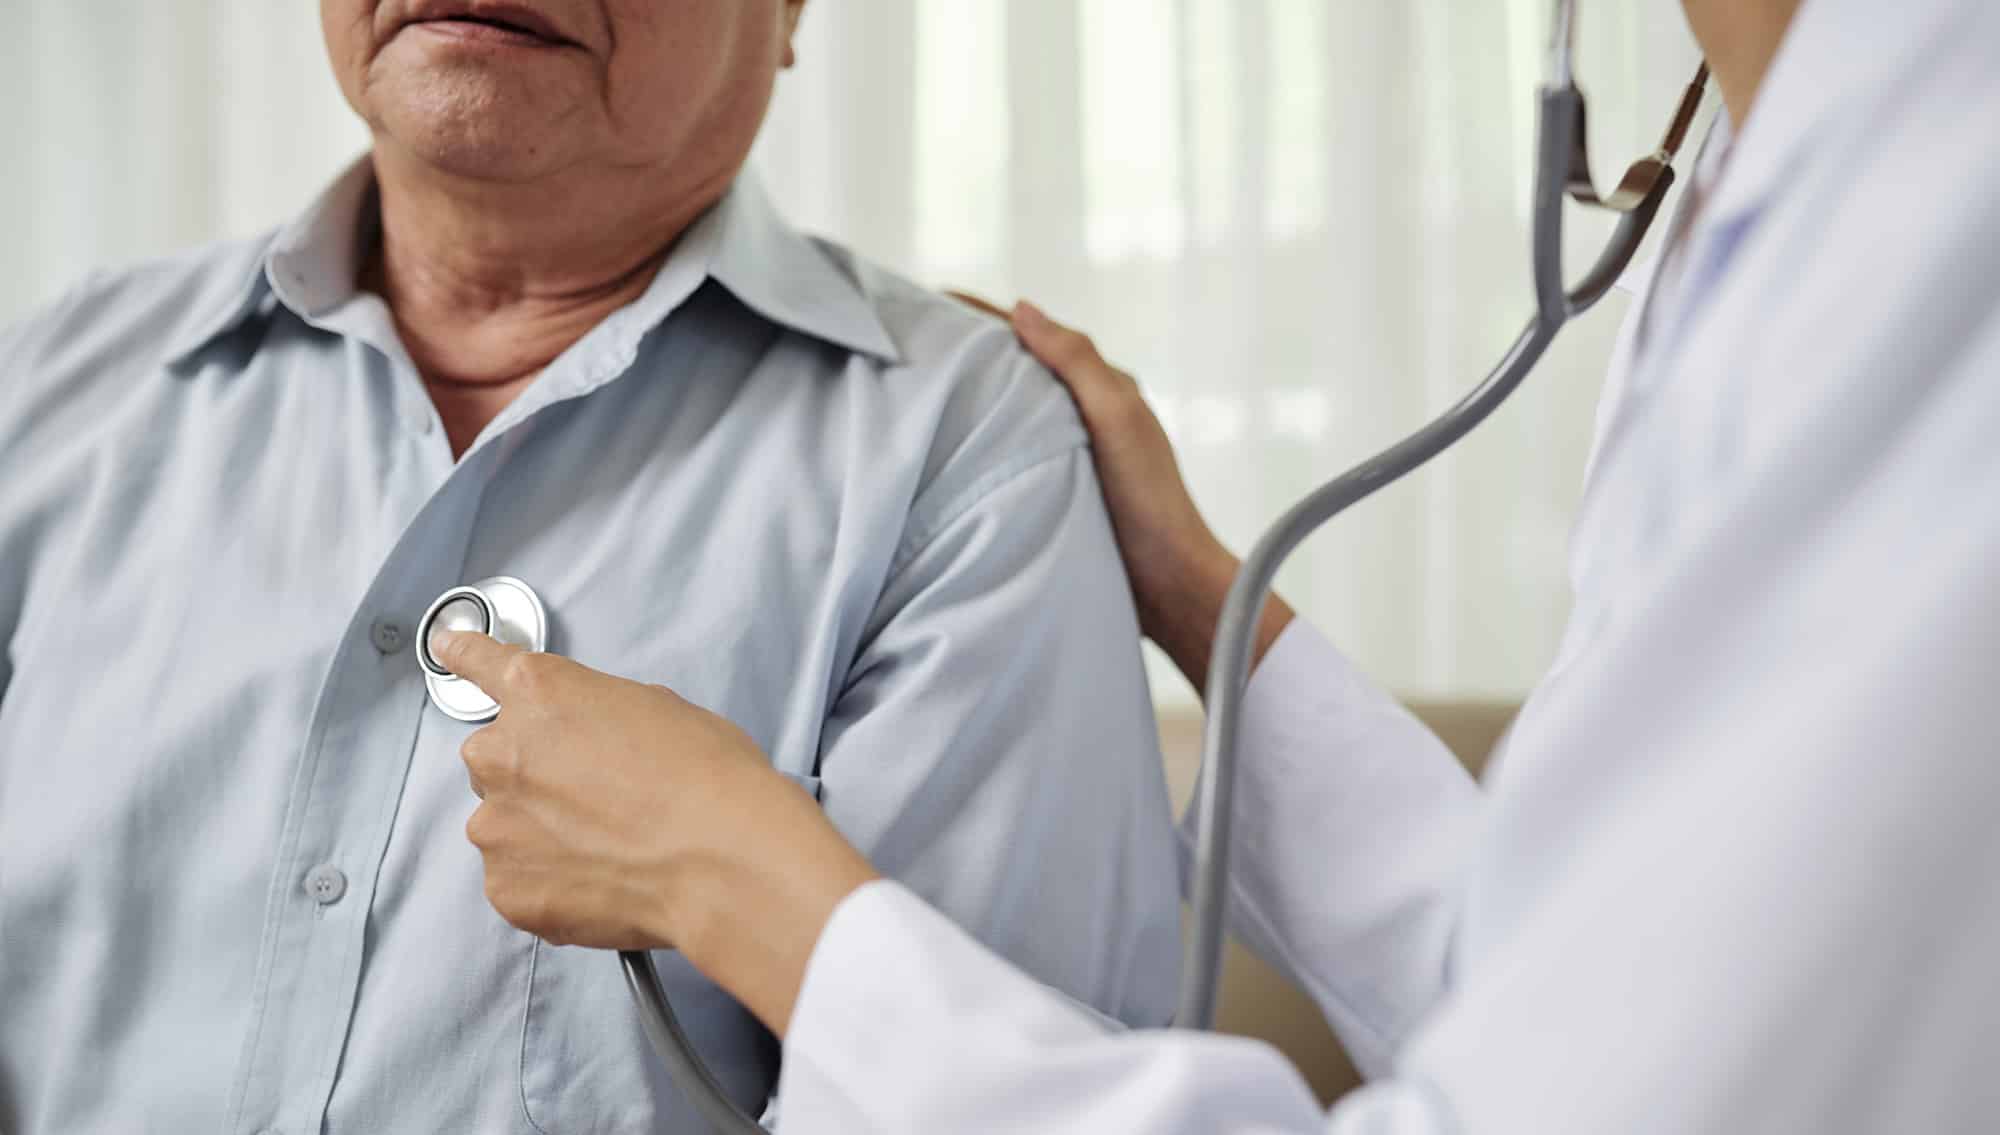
{"x": 484, "y": 661}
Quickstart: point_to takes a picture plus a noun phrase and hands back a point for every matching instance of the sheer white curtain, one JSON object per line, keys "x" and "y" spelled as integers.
{"x": 1302, "y": 222}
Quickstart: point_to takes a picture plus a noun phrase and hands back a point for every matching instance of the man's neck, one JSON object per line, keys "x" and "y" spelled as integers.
{"x": 490, "y": 282}
{"x": 1740, "y": 38}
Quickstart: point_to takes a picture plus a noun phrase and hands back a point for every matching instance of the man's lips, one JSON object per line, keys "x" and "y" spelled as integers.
{"x": 490, "y": 23}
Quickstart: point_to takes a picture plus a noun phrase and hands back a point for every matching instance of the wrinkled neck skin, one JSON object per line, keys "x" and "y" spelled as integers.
{"x": 1740, "y": 38}
{"x": 489, "y": 282}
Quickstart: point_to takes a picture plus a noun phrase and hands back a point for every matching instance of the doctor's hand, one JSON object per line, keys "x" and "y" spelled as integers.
{"x": 1180, "y": 571}
{"x": 618, "y": 815}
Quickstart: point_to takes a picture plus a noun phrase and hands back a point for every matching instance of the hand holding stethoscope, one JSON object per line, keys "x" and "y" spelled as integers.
{"x": 615, "y": 814}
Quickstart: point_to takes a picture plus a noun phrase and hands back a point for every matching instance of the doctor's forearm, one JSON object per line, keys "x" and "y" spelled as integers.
{"x": 1182, "y": 622}
{"x": 749, "y": 913}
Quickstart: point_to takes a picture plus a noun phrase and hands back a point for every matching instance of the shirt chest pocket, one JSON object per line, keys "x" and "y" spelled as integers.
{"x": 586, "y": 1066}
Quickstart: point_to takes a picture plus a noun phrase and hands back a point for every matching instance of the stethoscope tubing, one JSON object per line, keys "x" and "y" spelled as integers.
{"x": 1230, "y": 662}
{"x": 676, "y": 1051}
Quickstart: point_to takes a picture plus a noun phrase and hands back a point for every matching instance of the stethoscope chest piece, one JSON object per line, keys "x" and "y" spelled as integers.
{"x": 502, "y": 607}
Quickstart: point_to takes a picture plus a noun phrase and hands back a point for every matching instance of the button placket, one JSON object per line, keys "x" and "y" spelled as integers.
{"x": 313, "y": 955}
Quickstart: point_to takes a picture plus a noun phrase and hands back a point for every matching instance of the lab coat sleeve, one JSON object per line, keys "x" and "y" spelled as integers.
{"x": 1347, "y": 855}
{"x": 995, "y": 748}
{"x": 905, "y": 1023}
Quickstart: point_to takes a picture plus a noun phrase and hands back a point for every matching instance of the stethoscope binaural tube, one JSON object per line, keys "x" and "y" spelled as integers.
{"x": 1561, "y": 169}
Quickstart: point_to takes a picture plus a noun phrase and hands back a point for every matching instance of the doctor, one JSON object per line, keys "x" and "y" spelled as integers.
{"x": 1735, "y": 869}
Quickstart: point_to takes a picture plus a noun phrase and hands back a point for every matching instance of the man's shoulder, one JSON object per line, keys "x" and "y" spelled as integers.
{"x": 133, "y": 314}
{"x": 996, "y": 410}
{"x": 84, "y": 357}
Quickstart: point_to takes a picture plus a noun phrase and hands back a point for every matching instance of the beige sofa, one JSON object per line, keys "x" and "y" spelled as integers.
{"x": 1255, "y": 1001}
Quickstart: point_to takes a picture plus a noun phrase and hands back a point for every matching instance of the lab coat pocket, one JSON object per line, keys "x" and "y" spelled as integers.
{"x": 586, "y": 1065}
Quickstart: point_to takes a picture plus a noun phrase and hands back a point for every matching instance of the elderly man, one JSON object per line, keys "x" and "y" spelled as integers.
{"x": 551, "y": 330}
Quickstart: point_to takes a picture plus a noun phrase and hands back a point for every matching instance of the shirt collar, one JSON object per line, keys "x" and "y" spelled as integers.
{"x": 790, "y": 278}
{"x": 239, "y": 290}
{"x": 311, "y": 266}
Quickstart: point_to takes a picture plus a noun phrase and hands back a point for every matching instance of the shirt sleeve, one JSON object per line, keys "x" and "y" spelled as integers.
{"x": 995, "y": 747}
{"x": 27, "y": 395}
{"x": 905, "y": 1023}
{"x": 1352, "y": 830}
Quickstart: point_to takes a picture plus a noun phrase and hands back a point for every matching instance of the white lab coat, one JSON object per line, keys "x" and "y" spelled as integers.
{"x": 1735, "y": 869}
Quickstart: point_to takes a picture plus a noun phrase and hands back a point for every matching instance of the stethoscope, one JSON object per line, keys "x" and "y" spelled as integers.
{"x": 1562, "y": 169}
{"x": 502, "y": 607}
{"x": 509, "y": 610}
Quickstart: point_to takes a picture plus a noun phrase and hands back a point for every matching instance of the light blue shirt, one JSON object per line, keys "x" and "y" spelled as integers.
{"x": 235, "y": 891}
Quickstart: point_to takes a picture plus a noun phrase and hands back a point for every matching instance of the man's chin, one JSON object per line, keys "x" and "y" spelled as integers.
{"x": 479, "y": 147}
{"x": 472, "y": 122}
{"x": 481, "y": 158}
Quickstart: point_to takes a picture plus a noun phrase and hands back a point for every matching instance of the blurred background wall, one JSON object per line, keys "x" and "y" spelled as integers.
{"x": 1301, "y": 222}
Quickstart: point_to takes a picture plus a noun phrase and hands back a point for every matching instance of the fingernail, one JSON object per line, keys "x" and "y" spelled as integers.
{"x": 1029, "y": 315}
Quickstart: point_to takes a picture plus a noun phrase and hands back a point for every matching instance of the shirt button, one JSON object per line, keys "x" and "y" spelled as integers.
{"x": 387, "y": 635}
{"x": 326, "y": 884}
{"x": 421, "y": 423}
